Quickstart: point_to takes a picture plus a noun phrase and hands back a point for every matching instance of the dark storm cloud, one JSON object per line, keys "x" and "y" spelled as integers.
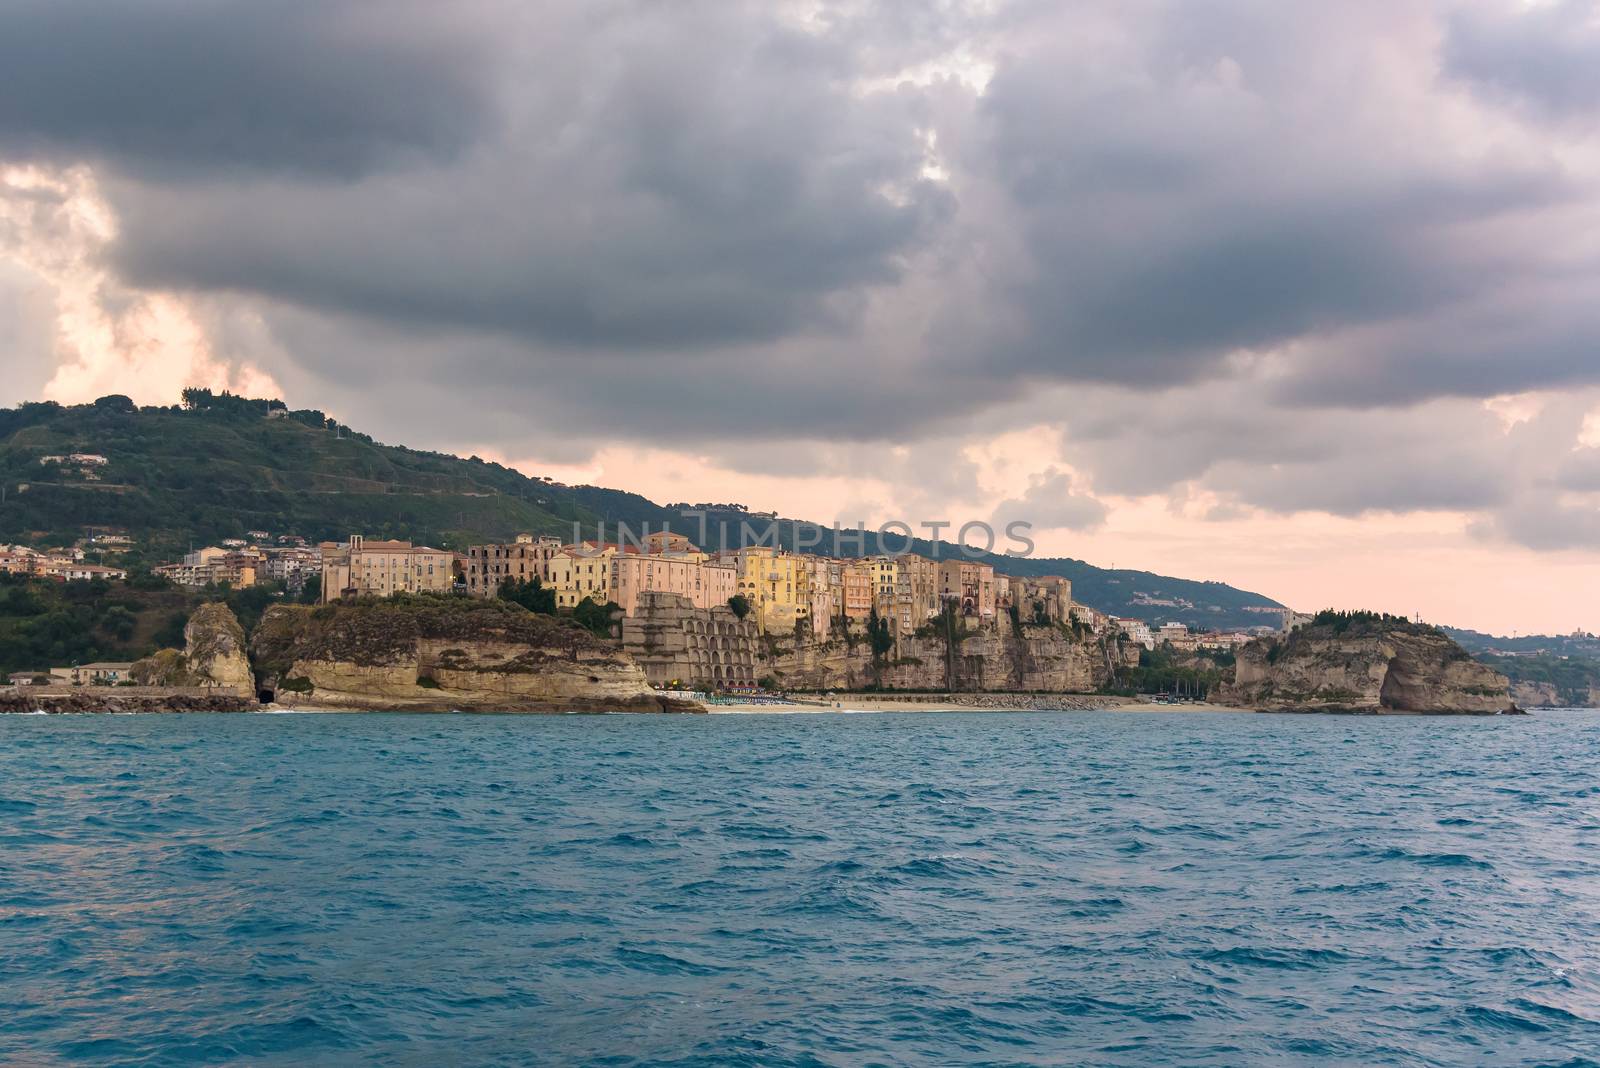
{"x": 685, "y": 175}
{"x": 1225, "y": 181}
{"x": 168, "y": 87}
{"x": 1284, "y": 232}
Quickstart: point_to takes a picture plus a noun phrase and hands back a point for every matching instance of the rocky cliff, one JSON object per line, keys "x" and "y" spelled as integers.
{"x": 1364, "y": 664}
{"x": 1549, "y": 695}
{"x": 444, "y": 654}
{"x": 213, "y": 656}
{"x": 1009, "y": 659}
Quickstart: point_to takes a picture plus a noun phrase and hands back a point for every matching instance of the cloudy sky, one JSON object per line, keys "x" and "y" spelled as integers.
{"x": 1300, "y": 297}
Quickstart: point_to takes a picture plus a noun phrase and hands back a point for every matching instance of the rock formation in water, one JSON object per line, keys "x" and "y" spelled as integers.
{"x": 428, "y": 653}
{"x": 213, "y": 656}
{"x": 1364, "y": 663}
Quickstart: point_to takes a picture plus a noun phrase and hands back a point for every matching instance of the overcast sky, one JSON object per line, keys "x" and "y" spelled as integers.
{"x": 1303, "y": 297}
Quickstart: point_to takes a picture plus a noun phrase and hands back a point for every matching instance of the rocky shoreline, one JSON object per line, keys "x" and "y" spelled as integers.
{"x": 443, "y": 655}
{"x": 108, "y": 700}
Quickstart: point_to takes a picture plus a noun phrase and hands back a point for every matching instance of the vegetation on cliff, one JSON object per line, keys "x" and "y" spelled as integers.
{"x": 1571, "y": 682}
{"x": 429, "y": 652}
{"x": 45, "y": 623}
{"x": 531, "y": 594}
{"x": 1365, "y": 662}
{"x": 370, "y": 631}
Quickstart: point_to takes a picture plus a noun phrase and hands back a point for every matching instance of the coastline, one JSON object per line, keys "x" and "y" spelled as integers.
{"x": 991, "y": 702}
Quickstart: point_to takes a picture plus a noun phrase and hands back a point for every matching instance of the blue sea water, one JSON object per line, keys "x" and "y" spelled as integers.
{"x": 1076, "y": 888}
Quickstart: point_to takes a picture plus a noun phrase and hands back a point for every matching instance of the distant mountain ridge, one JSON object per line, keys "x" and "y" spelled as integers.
{"x": 222, "y": 465}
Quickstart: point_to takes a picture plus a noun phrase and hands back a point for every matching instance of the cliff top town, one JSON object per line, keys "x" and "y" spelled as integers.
{"x": 755, "y": 616}
{"x": 660, "y": 622}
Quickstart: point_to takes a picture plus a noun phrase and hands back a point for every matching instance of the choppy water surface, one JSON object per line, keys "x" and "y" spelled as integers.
{"x": 893, "y": 889}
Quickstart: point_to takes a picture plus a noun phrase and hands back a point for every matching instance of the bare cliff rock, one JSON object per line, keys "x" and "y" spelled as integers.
{"x": 1549, "y": 695}
{"x": 444, "y": 654}
{"x": 1045, "y": 658}
{"x": 1365, "y": 663}
{"x": 213, "y": 657}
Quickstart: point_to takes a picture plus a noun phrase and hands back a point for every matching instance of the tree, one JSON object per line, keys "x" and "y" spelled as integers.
{"x": 878, "y": 632}
{"x": 740, "y": 604}
{"x": 532, "y": 595}
{"x": 116, "y": 402}
{"x": 196, "y": 399}
{"x": 144, "y": 579}
{"x": 596, "y": 617}
{"x": 311, "y": 590}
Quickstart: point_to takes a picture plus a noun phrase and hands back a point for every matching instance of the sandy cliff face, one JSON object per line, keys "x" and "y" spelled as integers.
{"x": 213, "y": 656}
{"x": 443, "y": 654}
{"x": 1370, "y": 666}
{"x": 1548, "y": 695}
{"x": 214, "y": 646}
{"x": 1042, "y": 658}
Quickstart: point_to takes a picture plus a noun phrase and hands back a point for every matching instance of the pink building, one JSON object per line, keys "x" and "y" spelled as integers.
{"x": 707, "y": 583}
{"x": 969, "y": 586}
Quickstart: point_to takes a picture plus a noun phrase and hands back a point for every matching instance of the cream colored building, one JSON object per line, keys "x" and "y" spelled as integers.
{"x": 1137, "y": 631}
{"x": 916, "y": 592}
{"x": 214, "y": 565}
{"x": 582, "y": 571}
{"x": 363, "y": 568}
{"x": 821, "y": 592}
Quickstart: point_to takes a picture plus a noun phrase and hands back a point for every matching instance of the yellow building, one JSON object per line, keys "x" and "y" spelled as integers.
{"x": 777, "y": 585}
{"x": 883, "y": 576}
{"x": 362, "y": 568}
{"x": 580, "y": 571}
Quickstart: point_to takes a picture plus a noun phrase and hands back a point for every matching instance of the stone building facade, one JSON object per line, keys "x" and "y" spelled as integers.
{"x": 677, "y": 643}
{"x": 526, "y": 558}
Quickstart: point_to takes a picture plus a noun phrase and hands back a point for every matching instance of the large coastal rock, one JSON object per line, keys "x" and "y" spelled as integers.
{"x": 214, "y": 646}
{"x": 1365, "y": 664}
{"x": 444, "y": 654}
{"x": 213, "y": 656}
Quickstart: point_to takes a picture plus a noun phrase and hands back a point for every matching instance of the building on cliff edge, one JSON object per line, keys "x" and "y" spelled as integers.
{"x": 362, "y": 568}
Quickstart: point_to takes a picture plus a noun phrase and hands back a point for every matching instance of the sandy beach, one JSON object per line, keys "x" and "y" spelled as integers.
{"x": 854, "y": 703}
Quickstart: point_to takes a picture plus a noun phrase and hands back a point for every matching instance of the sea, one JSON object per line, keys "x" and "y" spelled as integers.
{"x": 1083, "y": 888}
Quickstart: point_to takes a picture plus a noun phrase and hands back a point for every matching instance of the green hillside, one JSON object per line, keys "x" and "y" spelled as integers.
{"x": 219, "y": 466}
{"x": 178, "y": 477}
